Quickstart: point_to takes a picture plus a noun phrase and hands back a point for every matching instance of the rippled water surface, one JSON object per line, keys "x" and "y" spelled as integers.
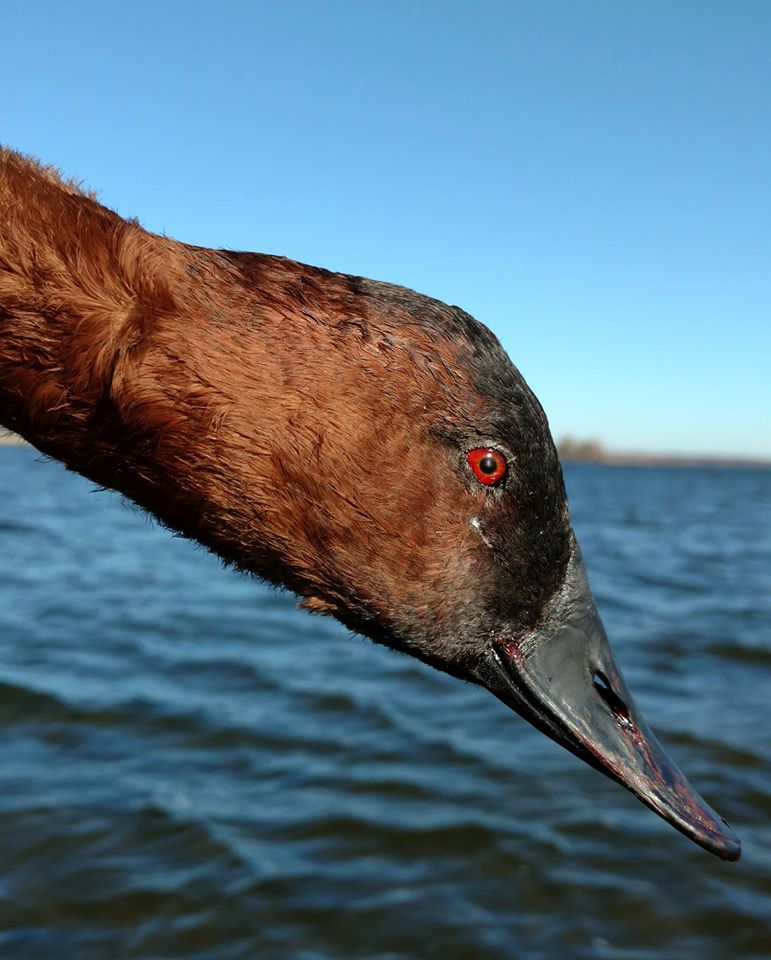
{"x": 191, "y": 767}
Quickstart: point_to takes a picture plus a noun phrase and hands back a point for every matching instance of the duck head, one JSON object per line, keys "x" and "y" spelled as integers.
{"x": 421, "y": 502}
{"x": 371, "y": 449}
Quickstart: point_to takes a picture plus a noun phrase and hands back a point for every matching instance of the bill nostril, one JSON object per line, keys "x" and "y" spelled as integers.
{"x": 609, "y": 695}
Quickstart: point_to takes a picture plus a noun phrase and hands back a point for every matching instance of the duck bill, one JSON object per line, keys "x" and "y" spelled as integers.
{"x": 563, "y": 678}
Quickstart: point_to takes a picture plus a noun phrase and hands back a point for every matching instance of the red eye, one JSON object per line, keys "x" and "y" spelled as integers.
{"x": 489, "y": 465}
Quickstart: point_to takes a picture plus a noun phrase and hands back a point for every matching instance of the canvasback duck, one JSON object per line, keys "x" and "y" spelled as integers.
{"x": 371, "y": 449}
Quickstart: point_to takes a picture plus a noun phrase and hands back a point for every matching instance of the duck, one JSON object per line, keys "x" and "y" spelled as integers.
{"x": 371, "y": 449}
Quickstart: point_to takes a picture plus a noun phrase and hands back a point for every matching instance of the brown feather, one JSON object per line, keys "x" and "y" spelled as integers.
{"x": 284, "y": 416}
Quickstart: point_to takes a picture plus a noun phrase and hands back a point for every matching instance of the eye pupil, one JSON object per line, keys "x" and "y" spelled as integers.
{"x": 488, "y": 464}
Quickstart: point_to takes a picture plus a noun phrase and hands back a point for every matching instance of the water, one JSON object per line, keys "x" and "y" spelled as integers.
{"x": 191, "y": 767}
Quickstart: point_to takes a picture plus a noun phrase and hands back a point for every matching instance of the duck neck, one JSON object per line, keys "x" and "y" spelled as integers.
{"x": 86, "y": 300}
{"x": 70, "y": 308}
{"x": 150, "y": 367}
{"x": 214, "y": 390}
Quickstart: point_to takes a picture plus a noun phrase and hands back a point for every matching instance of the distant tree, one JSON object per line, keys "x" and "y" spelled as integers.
{"x": 571, "y": 449}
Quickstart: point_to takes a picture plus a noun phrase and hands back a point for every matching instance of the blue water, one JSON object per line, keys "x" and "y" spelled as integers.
{"x": 191, "y": 767}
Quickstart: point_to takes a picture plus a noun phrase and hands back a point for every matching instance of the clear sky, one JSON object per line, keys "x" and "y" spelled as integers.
{"x": 591, "y": 179}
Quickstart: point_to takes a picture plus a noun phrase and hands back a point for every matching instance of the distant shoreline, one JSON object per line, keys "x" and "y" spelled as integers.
{"x": 11, "y": 440}
{"x": 592, "y": 451}
{"x": 670, "y": 460}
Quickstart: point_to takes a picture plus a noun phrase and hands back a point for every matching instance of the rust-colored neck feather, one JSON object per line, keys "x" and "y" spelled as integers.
{"x": 218, "y": 390}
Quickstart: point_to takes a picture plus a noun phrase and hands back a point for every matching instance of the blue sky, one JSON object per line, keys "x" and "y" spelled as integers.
{"x": 592, "y": 180}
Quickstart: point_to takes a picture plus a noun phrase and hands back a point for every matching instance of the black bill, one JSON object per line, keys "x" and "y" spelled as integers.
{"x": 562, "y": 677}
